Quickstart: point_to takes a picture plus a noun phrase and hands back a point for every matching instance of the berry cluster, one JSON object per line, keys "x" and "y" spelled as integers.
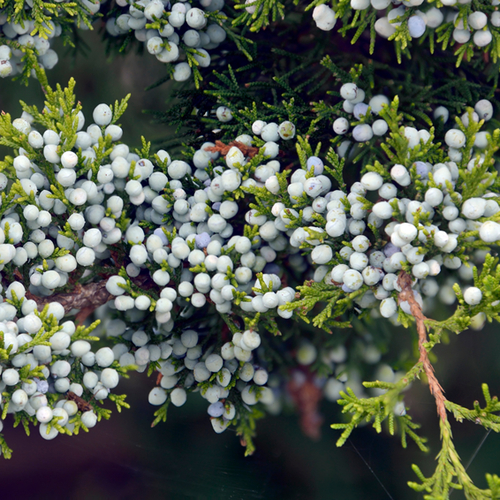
{"x": 171, "y": 33}
{"x": 11, "y": 62}
{"x": 82, "y": 202}
{"x": 354, "y": 105}
{"x": 399, "y": 15}
{"x": 182, "y": 32}
{"x": 189, "y": 261}
{"x": 409, "y": 242}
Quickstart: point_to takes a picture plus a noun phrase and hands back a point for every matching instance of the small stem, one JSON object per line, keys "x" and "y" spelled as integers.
{"x": 233, "y": 328}
{"x": 223, "y": 149}
{"x": 406, "y": 295}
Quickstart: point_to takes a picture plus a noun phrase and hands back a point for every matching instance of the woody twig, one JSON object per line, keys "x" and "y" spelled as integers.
{"x": 86, "y": 298}
{"x": 223, "y": 149}
{"x": 406, "y": 295}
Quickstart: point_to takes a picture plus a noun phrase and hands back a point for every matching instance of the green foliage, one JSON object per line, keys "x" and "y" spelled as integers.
{"x": 119, "y": 400}
{"x": 161, "y": 414}
{"x": 6, "y": 451}
{"x": 246, "y": 428}
{"x": 337, "y": 303}
{"x": 265, "y": 11}
{"x": 44, "y": 12}
{"x": 379, "y": 409}
{"x": 450, "y": 474}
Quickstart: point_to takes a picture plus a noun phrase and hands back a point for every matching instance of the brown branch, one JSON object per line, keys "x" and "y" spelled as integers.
{"x": 86, "y": 298}
{"x": 223, "y": 149}
{"x": 406, "y": 295}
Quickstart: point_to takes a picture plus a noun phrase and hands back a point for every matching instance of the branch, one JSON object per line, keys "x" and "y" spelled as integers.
{"x": 85, "y": 298}
{"x": 406, "y": 295}
{"x": 223, "y": 149}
